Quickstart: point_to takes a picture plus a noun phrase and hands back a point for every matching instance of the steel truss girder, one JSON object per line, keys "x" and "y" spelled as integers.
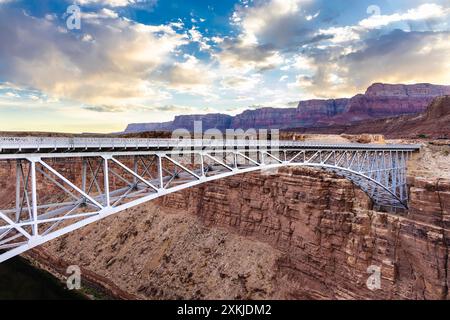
{"x": 379, "y": 173}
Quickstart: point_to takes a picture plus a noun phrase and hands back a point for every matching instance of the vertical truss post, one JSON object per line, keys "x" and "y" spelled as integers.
{"x": 18, "y": 189}
{"x": 385, "y": 170}
{"x": 202, "y": 164}
{"x": 83, "y": 173}
{"x": 135, "y": 169}
{"x": 160, "y": 172}
{"x": 403, "y": 176}
{"x": 378, "y": 166}
{"x": 106, "y": 181}
{"x": 34, "y": 197}
{"x": 395, "y": 172}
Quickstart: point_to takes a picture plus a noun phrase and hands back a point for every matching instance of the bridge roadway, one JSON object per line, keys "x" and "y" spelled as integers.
{"x": 20, "y": 145}
{"x": 52, "y": 186}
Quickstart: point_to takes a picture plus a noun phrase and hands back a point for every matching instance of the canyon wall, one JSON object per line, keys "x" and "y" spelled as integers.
{"x": 433, "y": 123}
{"x": 379, "y": 101}
{"x": 383, "y": 101}
{"x": 291, "y": 234}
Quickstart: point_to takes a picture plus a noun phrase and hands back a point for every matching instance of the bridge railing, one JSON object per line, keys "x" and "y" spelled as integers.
{"x": 42, "y": 142}
{"x": 37, "y": 143}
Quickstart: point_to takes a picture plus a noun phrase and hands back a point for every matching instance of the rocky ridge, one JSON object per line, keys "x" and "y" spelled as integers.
{"x": 379, "y": 101}
{"x": 434, "y": 122}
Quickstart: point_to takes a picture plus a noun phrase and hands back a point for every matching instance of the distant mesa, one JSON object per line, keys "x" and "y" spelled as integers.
{"x": 433, "y": 123}
{"x": 378, "y": 102}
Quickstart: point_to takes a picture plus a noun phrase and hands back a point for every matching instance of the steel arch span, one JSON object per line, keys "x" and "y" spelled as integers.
{"x": 56, "y": 190}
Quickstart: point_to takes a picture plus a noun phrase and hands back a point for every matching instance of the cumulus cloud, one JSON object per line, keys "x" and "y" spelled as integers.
{"x": 188, "y": 76}
{"x": 244, "y": 57}
{"x": 395, "y": 57}
{"x": 341, "y": 60}
{"x": 260, "y": 23}
{"x": 416, "y": 56}
{"x": 330, "y": 59}
{"x": 265, "y": 30}
{"x": 241, "y": 83}
{"x": 108, "y": 64}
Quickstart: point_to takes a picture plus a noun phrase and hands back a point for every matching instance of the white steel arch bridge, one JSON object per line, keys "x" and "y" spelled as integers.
{"x": 52, "y": 186}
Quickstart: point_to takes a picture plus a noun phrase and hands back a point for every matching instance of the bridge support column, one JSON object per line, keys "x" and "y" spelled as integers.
{"x": 34, "y": 197}
{"x": 106, "y": 181}
{"x": 135, "y": 169}
{"x": 160, "y": 172}
{"x": 84, "y": 176}
{"x": 202, "y": 165}
{"x": 18, "y": 190}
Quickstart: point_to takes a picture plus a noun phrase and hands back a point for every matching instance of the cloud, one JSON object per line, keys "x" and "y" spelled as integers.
{"x": 107, "y": 63}
{"x": 165, "y": 108}
{"x": 338, "y": 35}
{"x": 425, "y": 17}
{"x": 279, "y": 23}
{"x": 105, "y": 108}
{"x": 416, "y": 56}
{"x": 102, "y": 14}
{"x": 241, "y": 83}
{"x": 273, "y": 52}
{"x": 265, "y": 31}
{"x": 197, "y": 37}
{"x": 242, "y": 57}
{"x": 188, "y": 76}
{"x": 347, "y": 59}
{"x": 117, "y": 3}
{"x": 396, "y": 57}
{"x": 423, "y": 12}
{"x": 10, "y": 94}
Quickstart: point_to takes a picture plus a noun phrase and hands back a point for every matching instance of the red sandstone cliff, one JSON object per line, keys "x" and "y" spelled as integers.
{"x": 434, "y": 122}
{"x": 383, "y": 101}
{"x": 379, "y": 101}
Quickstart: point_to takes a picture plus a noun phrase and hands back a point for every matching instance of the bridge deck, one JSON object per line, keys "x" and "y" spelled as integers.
{"x": 24, "y": 145}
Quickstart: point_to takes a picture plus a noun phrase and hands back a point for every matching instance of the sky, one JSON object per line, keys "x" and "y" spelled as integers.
{"x": 97, "y": 65}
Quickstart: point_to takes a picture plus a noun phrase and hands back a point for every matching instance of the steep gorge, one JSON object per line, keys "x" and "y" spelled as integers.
{"x": 292, "y": 234}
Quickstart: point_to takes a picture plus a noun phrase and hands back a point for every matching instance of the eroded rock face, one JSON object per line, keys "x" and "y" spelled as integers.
{"x": 440, "y": 107}
{"x": 434, "y": 122}
{"x": 295, "y": 234}
{"x": 400, "y": 90}
{"x": 209, "y": 121}
{"x": 322, "y": 108}
{"x": 379, "y": 101}
{"x": 270, "y": 118}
